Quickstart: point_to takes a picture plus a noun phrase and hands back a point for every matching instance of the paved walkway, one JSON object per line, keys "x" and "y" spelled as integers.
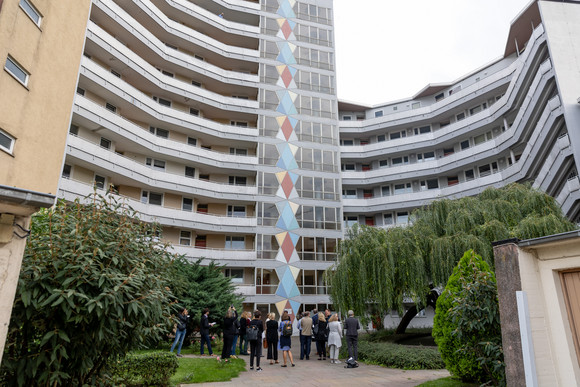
{"x": 316, "y": 373}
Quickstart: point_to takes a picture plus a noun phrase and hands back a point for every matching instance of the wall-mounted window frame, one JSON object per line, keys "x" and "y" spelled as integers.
{"x": 16, "y": 70}
{"x": 31, "y": 11}
{"x": 6, "y": 142}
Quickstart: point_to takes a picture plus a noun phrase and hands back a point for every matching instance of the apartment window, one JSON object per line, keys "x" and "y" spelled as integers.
{"x": 16, "y": 71}
{"x": 235, "y": 275}
{"x": 198, "y": 57}
{"x": 118, "y": 75}
{"x": 366, "y": 167}
{"x": 477, "y": 109}
{"x": 383, "y": 163}
{"x": 238, "y": 151}
{"x": 66, "y": 171}
{"x": 185, "y": 238}
{"x": 171, "y": 46}
{"x": 381, "y": 138}
{"x": 187, "y": 204}
{"x": 191, "y": 141}
{"x": 367, "y": 193}
{"x": 162, "y": 101}
{"x": 444, "y": 124}
{"x": 448, "y": 151}
{"x": 6, "y": 142}
{"x": 379, "y": 113}
{"x": 460, "y": 116}
{"x": 194, "y": 112}
{"x": 349, "y": 193}
{"x": 364, "y": 141}
{"x": 452, "y": 180}
{"x": 204, "y": 177}
{"x": 111, "y": 107}
{"x": 240, "y": 96}
{"x": 73, "y": 129}
{"x": 402, "y": 217}
{"x": 196, "y": 83}
{"x": 400, "y": 160}
{"x": 350, "y": 221}
{"x": 156, "y": 164}
{"x": 347, "y": 142}
{"x": 386, "y": 190}
{"x": 153, "y": 198}
{"x": 423, "y": 130}
{"x": 163, "y": 133}
{"x": 403, "y": 188}
{"x": 464, "y": 144}
{"x": 415, "y": 105}
{"x": 241, "y": 124}
{"x": 80, "y": 91}
{"x": 105, "y": 143}
{"x": 235, "y": 243}
{"x": 439, "y": 97}
{"x": 237, "y": 211}
{"x": 237, "y": 180}
{"x": 167, "y": 73}
{"x": 429, "y": 184}
{"x": 346, "y": 118}
{"x": 202, "y": 208}
{"x": 469, "y": 175}
{"x": 387, "y": 219}
{"x": 189, "y": 171}
{"x": 31, "y": 11}
{"x": 348, "y": 167}
{"x": 427, "y": 156}
{"x": 200, "y": 241}
{"x": 99, "y": 182}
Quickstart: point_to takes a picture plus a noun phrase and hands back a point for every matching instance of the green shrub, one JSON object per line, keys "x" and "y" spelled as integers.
{"x": 146, "y": 369}
{"x": 466, "y": 327}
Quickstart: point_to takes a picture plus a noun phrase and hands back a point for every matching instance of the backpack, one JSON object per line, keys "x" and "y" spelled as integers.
{"x": 351, "y": 363}
{"x": 252, "y": 333}
{"x": 287, "y": 329}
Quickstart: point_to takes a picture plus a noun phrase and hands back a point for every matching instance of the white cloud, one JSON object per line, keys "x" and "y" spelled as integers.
{"x": 387, "y": 50}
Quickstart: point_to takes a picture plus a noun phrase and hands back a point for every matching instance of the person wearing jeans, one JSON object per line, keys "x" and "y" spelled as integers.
{"x": 180, "y": 331}
{"x": 204, "y": 332}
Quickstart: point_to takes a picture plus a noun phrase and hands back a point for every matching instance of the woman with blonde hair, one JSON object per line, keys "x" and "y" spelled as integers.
{"x": 285, "y": 341}
{"x": 334, "y": 338}
{"x": 272, "y": 338}
{"x": 321, "y": 336}
{"x": 229, "y": 331}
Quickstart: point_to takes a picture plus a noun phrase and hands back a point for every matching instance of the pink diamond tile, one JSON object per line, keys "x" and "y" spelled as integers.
{"x": 286, "y": 77}
{"x": 286, "y": 29}
{"x": 287, "y": 128}
{"x": 287, "y": 247}
{"x": 287, "y": 185}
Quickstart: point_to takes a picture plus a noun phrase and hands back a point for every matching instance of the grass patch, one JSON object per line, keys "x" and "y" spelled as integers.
{"x": 449, "y": 381}
{"x": 193, "y": 370}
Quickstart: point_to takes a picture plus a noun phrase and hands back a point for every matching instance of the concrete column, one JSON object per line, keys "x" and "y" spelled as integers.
{"x": 507, "y": 273}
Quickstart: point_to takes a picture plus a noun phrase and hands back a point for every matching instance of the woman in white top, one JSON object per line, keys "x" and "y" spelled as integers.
{"x": 334, "y": 338}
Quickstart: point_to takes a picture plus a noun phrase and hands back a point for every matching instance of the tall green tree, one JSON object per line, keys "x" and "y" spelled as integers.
{"x": 377, "y": 269}
{"x": 93, "y": 286}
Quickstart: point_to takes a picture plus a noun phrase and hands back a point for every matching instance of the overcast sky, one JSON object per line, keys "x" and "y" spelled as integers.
{"x": 388, "y": 50}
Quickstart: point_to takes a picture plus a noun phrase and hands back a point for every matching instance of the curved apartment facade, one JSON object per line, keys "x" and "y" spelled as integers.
{"x": 506, "y": 122}
{"x": 218, "y": 120}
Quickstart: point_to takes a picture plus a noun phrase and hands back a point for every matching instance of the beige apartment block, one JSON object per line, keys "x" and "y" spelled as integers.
{"x": 41, "y": 43}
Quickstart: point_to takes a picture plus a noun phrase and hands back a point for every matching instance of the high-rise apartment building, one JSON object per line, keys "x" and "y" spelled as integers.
{"x": 40, "y": 59}
{"x": 218, "y": 119}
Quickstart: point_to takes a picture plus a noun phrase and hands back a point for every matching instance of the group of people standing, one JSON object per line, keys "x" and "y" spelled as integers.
{"x": 324, "y": 328}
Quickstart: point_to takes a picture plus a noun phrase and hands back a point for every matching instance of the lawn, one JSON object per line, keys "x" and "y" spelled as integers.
{"x": 447, "y": 382}
{"x": 195, "y": 370}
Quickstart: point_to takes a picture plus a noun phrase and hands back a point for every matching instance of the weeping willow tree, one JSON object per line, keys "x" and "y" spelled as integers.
{"x": 377, "y": 269}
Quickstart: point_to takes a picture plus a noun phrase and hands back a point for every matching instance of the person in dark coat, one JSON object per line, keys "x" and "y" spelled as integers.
{"x": 321, "y": 336}
{"x": 256, "y": 345}
{"x": 229, "y": 331}
{"x": 204, "y": 331}
{"x": 180, "y": 331}
{"x": 244, "y": 320}
{"x": 272, "y": 338}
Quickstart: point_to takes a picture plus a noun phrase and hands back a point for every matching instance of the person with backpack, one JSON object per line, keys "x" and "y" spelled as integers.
{"x": 286, "y": 338}
{"x": 254, "y": 336}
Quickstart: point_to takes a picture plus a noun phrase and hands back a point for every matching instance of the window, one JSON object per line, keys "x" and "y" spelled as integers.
{"x": 387, "y": 219}
{"x": 452, "y": 180}
{"x": 443, "y": 124}
{"x": 6, "y": 142}
{"x": 162, "y": 101}
{"x": 171, "y": 46}
{"x": 429, "y": 184}
{"x": 366, "y": 167}
{"x": 238, "y": 151}
{"x": 66, "y": 171}
{"x": 111, "y": 107}
{"x": 381, "y": 138}
{"x": 464, "y": 144}
{"x": 349, "y": 193}
{"x": 80, "y": 91}
{"x": 415, "y": 105}
{"x": 346, "y": 118}
{"x": 153, "y": 198}
{"x": 348, "y": 167}
{"x": 189, "y": 171}
{"x": 237, "y": 180}
{"x": 241, "y": 124}
{"x": 439, "y": 97}
{"x": 191, "y": 141}
{"x": 74, "y": 130}
{"x": 235, "y": 243}
{"x": 105, "y": 143}
{"x": 423, "y": 130}
{"x": 31, "y": 11}
{"x": 163, "y": 133}
{"x": 448, "y": 151}
{"x": 402, "y": 217}
{"x": 196, "y": 83}
{"x": 16, "y": 71}
{"x": 236, "y": 211}
{"x": 386, "y": 190}
{"x": 118, "y": 75}
{"x": 194, "y": 112}
{"x": 460, "y": 116}
{"x": 202, "y": 208}
{"x": 383, "y": 163}
{"x": 99, "y": 182}
{"x": 156, "y": 164}
{"x": 235, "y": 275}
{"x": 427, "y": 156}
{"x": 379, "y": 113}
{"x": 204, "y": 177}
{"x": 403, "y": 188}
{"x": 347, "y": 142}
{"x": 400, "y": 160}
{"x": 367, "y": 193}
{"x": 187, "y": 204}
{"x": 167, "y": 73}
{"x": 200, "y": 241}
{"x": 185, "y": 238}
{"x": 469, "y": 175}
{"x": 350, "y": 221}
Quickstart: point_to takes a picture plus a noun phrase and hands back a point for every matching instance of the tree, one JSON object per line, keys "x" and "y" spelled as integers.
{"x": 377, "y": 269}
{"x": 467, "y": 327}
{"x": 196, "y": 287}
{"x": 93, "y": 286}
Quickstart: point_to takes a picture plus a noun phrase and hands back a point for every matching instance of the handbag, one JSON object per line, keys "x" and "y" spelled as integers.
{"x": 265, "y": 343}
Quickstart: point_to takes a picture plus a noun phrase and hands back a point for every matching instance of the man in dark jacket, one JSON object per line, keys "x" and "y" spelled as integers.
{"x": 204, "y": 331}
{"x": 352, "y": 326}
